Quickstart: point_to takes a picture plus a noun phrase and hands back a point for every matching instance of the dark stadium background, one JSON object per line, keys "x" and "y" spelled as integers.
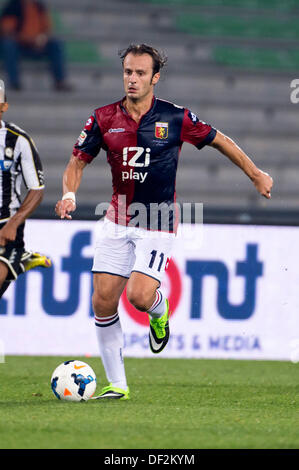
{"x": 231, "y": 61}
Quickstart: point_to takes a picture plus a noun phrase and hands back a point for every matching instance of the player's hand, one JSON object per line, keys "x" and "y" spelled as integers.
{"x": 8, "y": 233}
{"x": 63, "y": 208}
{"x": 263, "y": 183}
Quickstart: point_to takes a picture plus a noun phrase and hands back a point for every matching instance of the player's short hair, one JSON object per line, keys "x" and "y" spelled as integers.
{"x": 159, "y": 58}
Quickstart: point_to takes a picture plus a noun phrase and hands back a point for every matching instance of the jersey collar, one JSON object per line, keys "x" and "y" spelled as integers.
{"x": 121, "y": 105}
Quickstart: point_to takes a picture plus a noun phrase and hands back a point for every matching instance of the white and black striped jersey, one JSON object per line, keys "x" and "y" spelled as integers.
{"x": 18, "y": 159}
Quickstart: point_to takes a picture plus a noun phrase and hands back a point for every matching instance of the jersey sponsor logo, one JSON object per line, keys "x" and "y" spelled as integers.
{"x": 89, "y": 123}
{"x": 119, "y": 129}
{"x": 133, "y": 175}
{"x": 161, "y": 130}
{"x": 131, "y": 156}
{"x": 135, "y": 157}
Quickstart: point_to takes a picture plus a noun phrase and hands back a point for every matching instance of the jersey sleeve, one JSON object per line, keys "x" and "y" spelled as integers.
{"x": 89, "y": 142}
{"x": 31, "y": 165}
{"x": 195, "y": 131}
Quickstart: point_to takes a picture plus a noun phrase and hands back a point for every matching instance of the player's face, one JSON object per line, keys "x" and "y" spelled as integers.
{"x": 3, "y": 108}
{"x": 138, "y": 76}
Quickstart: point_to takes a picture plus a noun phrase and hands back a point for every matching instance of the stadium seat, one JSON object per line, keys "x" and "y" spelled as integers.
{"x": 257, "y": 58}
{"x": 208, "y": 25}
{"x": 286, "y": 5}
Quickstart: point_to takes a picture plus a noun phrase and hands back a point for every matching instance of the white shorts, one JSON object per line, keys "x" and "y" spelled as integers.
{"x": 121, "y": 250}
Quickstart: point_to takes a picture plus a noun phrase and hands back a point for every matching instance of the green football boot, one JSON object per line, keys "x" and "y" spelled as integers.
{"x": 159, "y": 331}
{"x": 114, "y": 393}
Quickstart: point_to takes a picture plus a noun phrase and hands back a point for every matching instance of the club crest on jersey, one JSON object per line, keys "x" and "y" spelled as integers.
{"x": 161, "y": 130}
{"x": 8, "y": 152}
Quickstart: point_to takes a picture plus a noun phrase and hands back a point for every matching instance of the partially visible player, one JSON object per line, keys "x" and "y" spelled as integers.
{"x": 18, "y": 158}
{"x": 142, "y": 136}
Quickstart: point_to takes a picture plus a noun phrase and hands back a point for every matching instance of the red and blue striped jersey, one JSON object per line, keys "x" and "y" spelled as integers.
{"x": 143, "y": 156}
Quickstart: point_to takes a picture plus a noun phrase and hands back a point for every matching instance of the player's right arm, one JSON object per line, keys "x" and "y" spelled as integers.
{"x": 71, "y": 181}
{"x": 85, "y": 150}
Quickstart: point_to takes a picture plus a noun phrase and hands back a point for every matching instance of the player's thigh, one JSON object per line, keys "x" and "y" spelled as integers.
{"x": 114, "y": 252}
{"x": 152, "y": 255}
{"x": 107, "y": 291}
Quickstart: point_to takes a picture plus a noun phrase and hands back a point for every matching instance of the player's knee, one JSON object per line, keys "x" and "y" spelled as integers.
{"x": 139, "y": 299}
{"x": 103, "y": 302}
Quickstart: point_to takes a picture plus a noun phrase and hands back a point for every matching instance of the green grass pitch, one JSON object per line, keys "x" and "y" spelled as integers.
{"x": 175, "y": 404}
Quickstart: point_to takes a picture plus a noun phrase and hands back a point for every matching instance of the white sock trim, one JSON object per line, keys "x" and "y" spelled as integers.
{"x": 106, "y": 321}
{"x": 159, "y": 305}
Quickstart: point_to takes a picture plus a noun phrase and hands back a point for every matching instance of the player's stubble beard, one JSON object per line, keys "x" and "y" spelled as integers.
{"x": 139, "y": 99}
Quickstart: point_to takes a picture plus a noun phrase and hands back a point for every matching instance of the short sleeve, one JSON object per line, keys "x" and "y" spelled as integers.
{"x": 31, "y": 165}
{"x": 89, "y": 142}
{"x": 195, "y": 131}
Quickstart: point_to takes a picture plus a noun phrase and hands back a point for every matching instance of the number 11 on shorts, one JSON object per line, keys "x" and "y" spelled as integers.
{"x": 160, "y": 260}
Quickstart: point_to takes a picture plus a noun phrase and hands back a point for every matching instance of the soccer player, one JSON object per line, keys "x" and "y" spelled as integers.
{"x": 18, "y": 157}
{"x": 142, "y": 136}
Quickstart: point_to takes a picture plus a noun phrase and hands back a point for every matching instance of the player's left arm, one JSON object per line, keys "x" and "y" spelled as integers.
{"x": 261, "y": 180}
{"x": 86, "y": 148}
{"x": 71, "y": 181}
{"x": 31, "y": 202}
{"x": 33, "y": 177}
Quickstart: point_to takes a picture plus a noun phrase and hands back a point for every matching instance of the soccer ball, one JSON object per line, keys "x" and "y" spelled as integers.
{"x": 73, "y": 381}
